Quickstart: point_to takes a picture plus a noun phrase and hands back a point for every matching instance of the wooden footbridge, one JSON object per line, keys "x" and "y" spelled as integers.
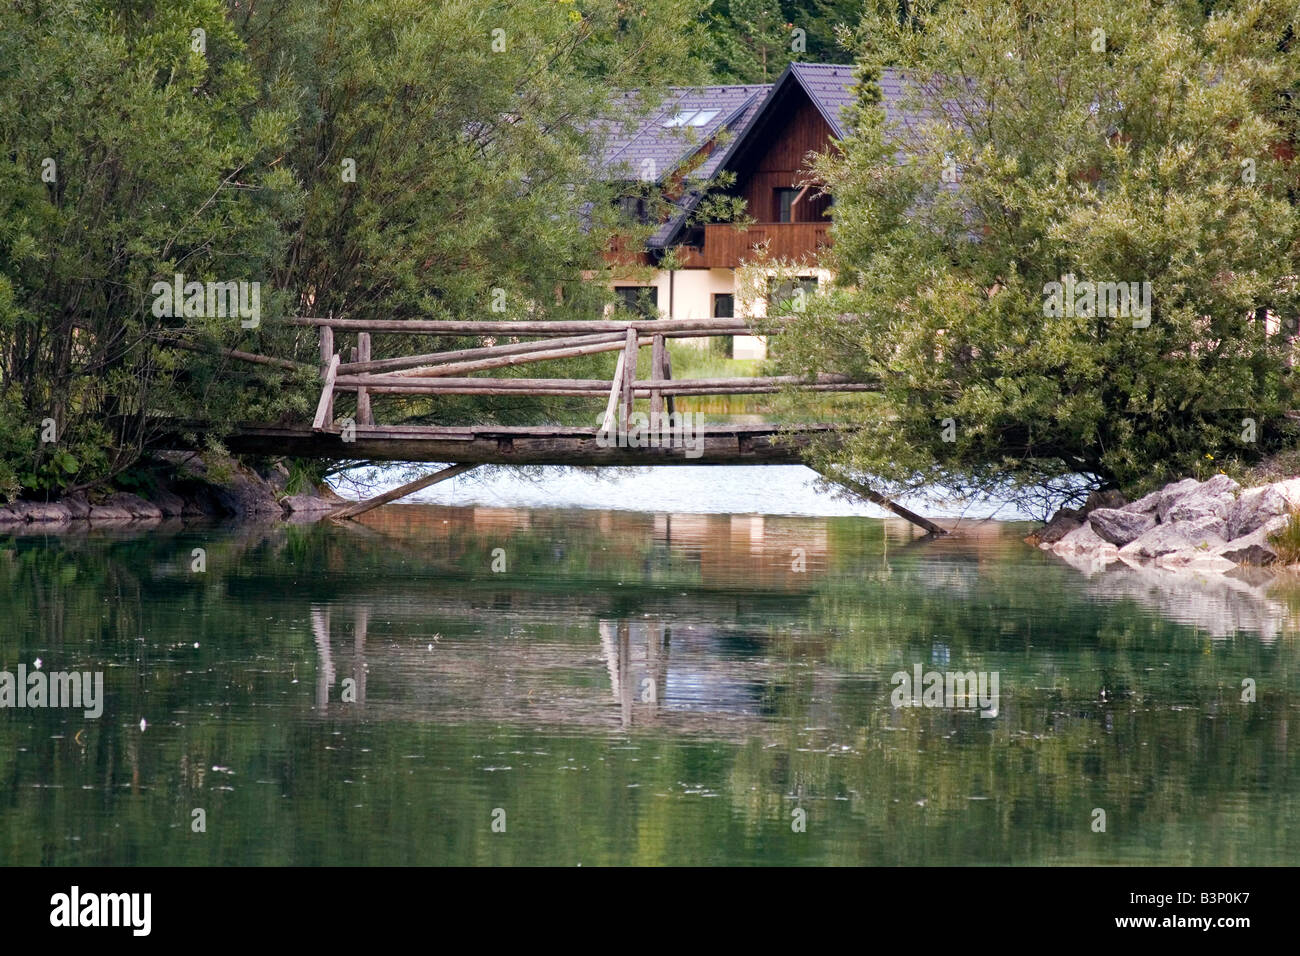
{"x": 658, "y": 437}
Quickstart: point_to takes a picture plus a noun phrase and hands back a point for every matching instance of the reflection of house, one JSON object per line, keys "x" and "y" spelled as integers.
{"x": 764, "y": 136}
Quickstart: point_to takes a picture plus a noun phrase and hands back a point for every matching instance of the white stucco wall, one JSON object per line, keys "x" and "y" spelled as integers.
{"x": 688, "y": 294}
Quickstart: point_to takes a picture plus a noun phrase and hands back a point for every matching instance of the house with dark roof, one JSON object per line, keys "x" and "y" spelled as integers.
{"x": 764, "y": 136}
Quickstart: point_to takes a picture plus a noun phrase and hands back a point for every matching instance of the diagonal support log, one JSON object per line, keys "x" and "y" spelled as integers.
{"x": 361, "y": 507}
{"x": 482, "y": 352}
{"x": 325, "y": 407}
{"x": 610, "y": 421}
{"x": 876, "y": 497}
{"x": 177, "y": 343}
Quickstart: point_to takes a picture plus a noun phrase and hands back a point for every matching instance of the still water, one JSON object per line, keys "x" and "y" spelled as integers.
{"x": 635, "y": 688}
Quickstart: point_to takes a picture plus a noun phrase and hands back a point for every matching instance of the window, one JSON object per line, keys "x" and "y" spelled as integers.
{"x": 634, "y": 209}
{"x": 785, "y": 204}
{"x": 724, "y": 306}
{"x": 641, "y": 300}
{"x": 691, "y": 117}
{"x": 789, "y": 295}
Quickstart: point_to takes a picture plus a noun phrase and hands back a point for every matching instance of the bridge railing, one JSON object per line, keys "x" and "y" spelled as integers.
{"x": 449, "y": 372}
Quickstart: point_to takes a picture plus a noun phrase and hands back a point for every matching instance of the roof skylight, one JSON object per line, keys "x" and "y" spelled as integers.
{"x": 691, "y": 117}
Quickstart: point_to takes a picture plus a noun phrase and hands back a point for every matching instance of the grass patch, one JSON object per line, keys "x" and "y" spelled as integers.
{"x": 1286, "y": 540}
{"x": 1276, "y": 467}
{"x": 704, "y": 361}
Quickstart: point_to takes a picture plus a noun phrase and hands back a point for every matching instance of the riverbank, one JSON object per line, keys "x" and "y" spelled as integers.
{"x": 183, "y": 485}
{"x": 1213, "y": 525}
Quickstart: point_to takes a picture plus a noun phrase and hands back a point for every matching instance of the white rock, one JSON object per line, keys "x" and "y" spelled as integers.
{"x": 1147, "y": 504}
{"x": 1290, "y": 490}
{"x": 1119, "y": 527}
{"x": 1170, "y": 494}
{"x": 1254, "y": 548}
{"x": 1214, "y": 497}
{"x": 1254, "y": 508}
{"x": 1081, "y": 539}
{"x": 1203, "y": 534}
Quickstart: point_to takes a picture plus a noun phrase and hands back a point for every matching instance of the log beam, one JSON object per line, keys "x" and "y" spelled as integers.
{"x": 876, "y": 497}
{"x": 481, "y": 352}
{"x": 361, "y": 507}
{"x": 673, "y": 328}
{"x": 325, "y": 407}
{"x": 548, "y": 445}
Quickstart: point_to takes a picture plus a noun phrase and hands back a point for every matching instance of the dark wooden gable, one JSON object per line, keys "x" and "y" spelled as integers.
{"x": 775, "y": 157}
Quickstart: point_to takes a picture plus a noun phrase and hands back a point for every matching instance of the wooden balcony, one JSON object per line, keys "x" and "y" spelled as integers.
{"x": 726, "y": 247}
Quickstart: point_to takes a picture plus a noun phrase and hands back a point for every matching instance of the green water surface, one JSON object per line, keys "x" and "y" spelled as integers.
{"x": 623, "y": 688}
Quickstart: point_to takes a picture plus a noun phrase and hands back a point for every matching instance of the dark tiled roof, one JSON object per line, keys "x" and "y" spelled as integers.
{"x": 665, "y": 148}
{"x": 830, "y": 87}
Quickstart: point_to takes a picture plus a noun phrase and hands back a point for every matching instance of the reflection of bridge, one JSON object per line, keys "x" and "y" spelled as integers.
{"x": 659, "y": 437}
{"x": 450, "y": 679}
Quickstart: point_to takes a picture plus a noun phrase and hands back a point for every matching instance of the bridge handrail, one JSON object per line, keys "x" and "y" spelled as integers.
{"x": 671, "y": 328}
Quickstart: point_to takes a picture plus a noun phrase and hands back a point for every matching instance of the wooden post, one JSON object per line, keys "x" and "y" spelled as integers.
{"x": 364, "y": 415}
{"x": 361, "y": 507}
{"x": 656, "y": 373}
{"x": 668, "y": 374}
{"x": 326, "y": 356}
{"x": 629, "y": 374}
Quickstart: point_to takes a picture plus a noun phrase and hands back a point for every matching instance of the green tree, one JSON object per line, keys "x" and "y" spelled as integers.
{"x": 1121, "y": 142}
{"x": 444, "y": 149}
{"x": 751, "y": 41}
{"x": 133, "y": 150}
{"x": 390, "y": 159}
{"x": 444, "y": 153}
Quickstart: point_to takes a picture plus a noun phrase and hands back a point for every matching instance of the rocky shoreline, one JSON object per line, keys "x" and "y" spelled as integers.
{"x": 1213, "y": 525}
{"x": 189, "y": 486}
